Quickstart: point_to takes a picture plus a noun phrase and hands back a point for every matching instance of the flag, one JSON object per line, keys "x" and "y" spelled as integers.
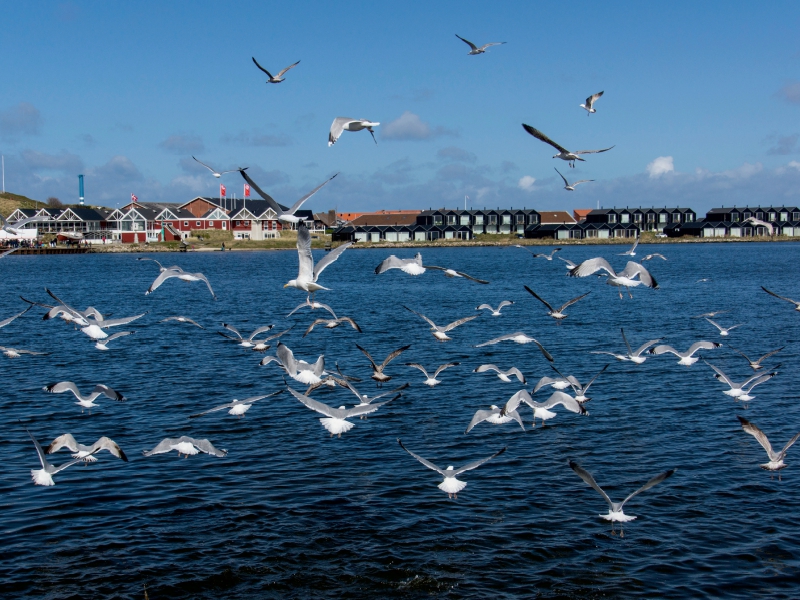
{"x": 134, "y": 198}
{"x": 246, "y": 190}
{"x": 222, "y": 190}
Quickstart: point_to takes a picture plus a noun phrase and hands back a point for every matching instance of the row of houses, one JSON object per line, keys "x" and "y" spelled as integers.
{"x": 153, "y": 221}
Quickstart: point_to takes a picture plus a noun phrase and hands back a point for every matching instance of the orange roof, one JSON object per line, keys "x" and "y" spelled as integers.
{"x": 580, "y": 213}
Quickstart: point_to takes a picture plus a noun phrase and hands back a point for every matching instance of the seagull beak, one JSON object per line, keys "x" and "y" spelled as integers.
{"x": 285, "y": 286}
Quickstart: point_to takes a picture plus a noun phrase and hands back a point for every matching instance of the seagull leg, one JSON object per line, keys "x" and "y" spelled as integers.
{"x": 630, "y": 295}
{"x": 621, "y": 532}
{"x": 620, "y": 293}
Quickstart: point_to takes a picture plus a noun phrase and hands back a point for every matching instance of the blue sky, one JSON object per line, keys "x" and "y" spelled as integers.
{"x": 702, "y": 101}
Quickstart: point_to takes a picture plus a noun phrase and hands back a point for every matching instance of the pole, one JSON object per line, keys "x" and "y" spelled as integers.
{"x": 4, "y": 174}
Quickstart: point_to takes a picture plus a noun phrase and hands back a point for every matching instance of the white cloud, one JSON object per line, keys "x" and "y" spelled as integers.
{"x": 409, "y": 126}
{"x": 526, "y": 183}
{"x": 794, "y": 164}
{"x": 660, "y": 166}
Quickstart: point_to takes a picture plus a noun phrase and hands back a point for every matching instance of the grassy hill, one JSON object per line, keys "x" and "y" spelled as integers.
{"x": 10, "y": 202}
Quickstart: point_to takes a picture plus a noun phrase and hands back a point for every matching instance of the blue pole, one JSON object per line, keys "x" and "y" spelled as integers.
{"x": 80, "y": 188}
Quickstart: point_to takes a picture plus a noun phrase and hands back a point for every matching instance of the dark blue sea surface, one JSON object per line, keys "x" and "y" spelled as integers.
{"x": 292, "y": 513}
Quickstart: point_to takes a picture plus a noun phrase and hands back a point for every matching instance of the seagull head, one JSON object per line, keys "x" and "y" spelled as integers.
{"x": 450, "y": 468}
{"x": 342, "y": 408}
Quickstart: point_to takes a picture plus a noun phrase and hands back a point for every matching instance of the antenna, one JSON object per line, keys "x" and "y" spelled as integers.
{"x": 80, "y": 188}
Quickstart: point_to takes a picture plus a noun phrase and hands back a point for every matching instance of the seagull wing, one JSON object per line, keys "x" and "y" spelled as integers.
{"x": 431, "y": 323}
{"x": 390, "y": 263}
{"x": 477, "y": 463}
{"x": 767, "y": 355}
{"x": 542, "y": 137}
{"x": 789, "y": 445}
{"x": 187, "y": 319}
{"x": 319, "y": 407}
{"x": 269, "y": 199}
{"x": 664, "y": 348}
{"x": 352, "y": 323}
{"x": 329, "y": 258}
{"x": 485, "y": 46}
{"x": 204, "y": 164}
{"x": 211, "y": 410}
{"x": 592, "y": 99}
{"x": 263, "y": 69}
{"x": 443, "y": 367}
{"x": 108, "y": 392}
{"x": 204, "y": 279}
{"x": 115, "y": 322}
{"x": 420, "y": 367}
{"x": 455, "y": 324}
{"x": 587, "y": 477}
{"x": 654, "y": 481}
{"x": 119, "y": 334}
{"x": 5, "y": 322}
{"x": 260, "y": 330}
{"x": 539, "y": 298}
{"x": 78, "y": 316}
{"x": 588, "y": 385}
{"x": 105, "y": 443}
{"x": 337, "y": 127}
{"x": 305, "y": 270}
{"x": 286, "y": 358}
{"x": 39, "y": 452}
{"x": 66, "y": 440}
{"x": 314, "y": 324}
{"x": 484, "y": 368}
{"x": 233, "y": 329}
{"x": 565, "y": 400}
{"x": 427, "y": 463}
{"x": 591, "y": 266}
{"x": 781, "y": 297}
{"x": 391, "y": 356}
{"x": 545, "y": 381}
{"x": 702, "y": 345}
{"x": 562, "y": 177}
{"x": 372, "y": 362}
{"x": 470, "y": 277}
{"x": 633, "y": 268}
{"x": 162, "y": 277}
{"x": 63, "y": 386}
{"x": 724, "y": 377}
{"x": 504, "y": 303}
{"x": 480, "y": 416}
{"x": 282, "y": 73}
{"x": 593, "y": 151}
{"x": 471, "y": 45}
{"x": 573, "y": 301}
{"x": 299, "y": 203}
{"x": 759, "y": 435}
{"x": 644, "y": 347}
{"x": 277, "y": 335}
{"x": 204, "y": 446}
{"x": 54, "y": 470}
{"x": 714, "y": 324}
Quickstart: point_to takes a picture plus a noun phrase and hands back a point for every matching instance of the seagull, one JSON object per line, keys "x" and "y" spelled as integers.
{"x": 497, "y": 415}
{"x": 17, "y": 352}
{"x": 432, "y": 381}
{"x": 502, "y": 375}
{"x": 93, "y": 327}
{"x": 18, "y": 227}
{"x": 307, "y": 273}
{"x": 262, "y": 346}
{"x": 217, "y": 174}
{"x": 377, "y": 370}
{"x": 44, "y": 476}
{"x": 795, "y": 302}
{"x": 85, "y": 453}
{"x": 299, "y": 370}
{"x": 313, "y": 305}
{"x": 277, "y": 78}
{"x": 5, "y": 322}
{"x": 710, "y": 314}
{"x": 543, "y": 255}
{"x": 723, "y": 330}
{"x": 746, "y": 397}
{"x": 102, "y": 344}
{"x": 7, "y": 252}
{"x": 454, "y": 273}
{"x": 237, "y": 407}
{"x": 557, "y": 383}
{"x": 615, "y": 508}
{"x": 183, "y": 276}
{"x": 180, "y": 319}
{"x": 633, "y": 356}
{"x": 589, "y": 106}
{"x": 654, "y": 255}
{"x": 288, "y": 215}
{"x": 736, "y": 389}
{"x": 439, "y": 332}
{"x": 775, "y": 458}
{"x": 756, "y": 365}
{"x": 580, "y": 390}
{"x": 632, "y": 250}
{"x": 412, "y": 266}
{"x": 363, "y": 399}
{"x": 567, "y": 263}
{"x": 244, "y": 342}
{"x": 686, "y": 358}
{"x": 451, "y": 485}
{"x": 186, "y": 446}
{"x": 341, "y": 124}
{"x": 563, "y": 153}
{"x": 474, "y": 50}
{"x": 88, "y": 400}
{"x": 495, "y": 311}
{"x": 519, "y": 338}
{"x": 558, "y": 315}
{"x": 540, "y": 408}
{"x": 570, "y": 187}
{"x": 625, "y": 278}
{"x": 161, "y": 267}
{"x": 331, "y": 323}
{"x": 335, "y": 420}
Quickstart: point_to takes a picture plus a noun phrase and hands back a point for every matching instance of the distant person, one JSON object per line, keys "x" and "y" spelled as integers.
{"x": 223, "y": 246}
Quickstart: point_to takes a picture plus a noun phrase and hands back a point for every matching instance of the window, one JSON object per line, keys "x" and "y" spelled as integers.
{"x": 747, "y": 215}
{"x": 624, "y": 218}
{"x": 612, "y": 218}
{"x": 492, "y": 219}
{"x": 211, "y": 223}
{"x": 735, "y": 217}
{"x": 451, "y": 219}
{"x": 651, "y": 217}
{"x": 784, "y": 216}
{"x": 465, "y": 219}
{"x": 760, "y": 216}
{"x": 197, "y": 223}
{"x": 796, "y": 216}
{"x": 772, "y": 216}
{"x": 521, "y": 219}
{"x": 247, "y": 223}
{"x": 534, "y": 219}
{"x": 437, "y": 219}
{"x": 676, "y": 217}
{"x": 662, "y": 218}
{"x": 186, "y": 223}
{"x": 478, "y": 219}
{"x": 637, "y": 217}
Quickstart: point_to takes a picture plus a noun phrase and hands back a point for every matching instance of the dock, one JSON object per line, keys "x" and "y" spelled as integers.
{"x": 79, "y": 250}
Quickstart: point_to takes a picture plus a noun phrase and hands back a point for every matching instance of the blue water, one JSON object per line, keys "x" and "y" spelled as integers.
{"x": 292, "y": 512}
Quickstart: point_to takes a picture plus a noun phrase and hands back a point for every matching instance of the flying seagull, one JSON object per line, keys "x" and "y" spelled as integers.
{"x": 723, "y": 331}
{"x": 497, "y": 415}
{"x": 454, "y": 273}
{"x": 276, "y": 78}
{"x": 633, "y": 356}
{"x": 308, "y": 273}
{"x": 563, "y": 153}
{"x": 88, "y": 400}
{"x": 5, "y": 322}
{"x": 474, "y": 50}
{"x": 756, "y": 364}
{"x": 615, "y": 508}
{"x": 102, "y": 344}
{"x": 216, "y": 174}
{"x": 432, "y": 381}
{"x": 332, "y": 323}
{"x": 654, "y": 255}
{"x": 632, "y": 250}
{"x": 18, "y": 227}
{"x": 625, "y": 278}
{"x": 341, "y": 124}
{"x": 85, "y": 453}
{"x": 546, "y": 256}
{"x": 540, "y": 409}
{"x": 313, "y": 305}
{"x": 451, "y": 485}
{"x": 440, "y": 332}
{"x": 589, "y": 106}
{"x": 181, "y": 319}
{"x": 557, "y": 314}
{"x": 244, "y": 342}
{"x": 17, "y": 352}
{"x": 775, "y": 458}
{"x": 237, "y": 407}
{"x": 502, "y": 375}
{"x": 186, "y": 446}
{"x": 412, "y": 266}
{"x": 495, "y": 311}
{"x": 519, "y": 338}
{"x": 377, "y": 370}
{"x": 710, "y": 314}
{"x": 299, "y": 370}
{"x": 288, "y": 215}
{"x": 335, "y": 419}
{"x": 795, "y": 302}
{"x": 183, "y": 276}
{"x": 44, "y": 476}
{"x": 686, "y": 358}
{"x": 570, "y": 187}
{"x": 737, "y": 389}
{"x": 580, "y": 390}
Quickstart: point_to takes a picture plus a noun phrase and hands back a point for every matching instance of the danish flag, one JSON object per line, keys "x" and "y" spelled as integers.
{"x": 222, "y": 190}
{"x": 246, "y": 190}
{"x": 134, "y": 198}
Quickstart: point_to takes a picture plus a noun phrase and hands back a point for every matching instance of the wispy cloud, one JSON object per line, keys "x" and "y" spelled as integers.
{"x": 790, "y": 92}
{"x": 784, "y": 144}
{"x": 183, "y": 144}
{"x": 456, "y": 154}
{"x": 65, "y": 161}
{"x": 255, "y": 138}
{"x": 22, "y": 119}
{"x": 409, "y": 126}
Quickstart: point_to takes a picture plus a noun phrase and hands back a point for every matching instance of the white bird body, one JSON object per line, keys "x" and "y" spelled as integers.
{"x": 563, "y": 153}
{"x": 299, "y": 370}
{"x": 626, "y": 278}
{"x": 589, "y": 105}
{"x": 341, "y": 124}
{"x": 502, "y": 375}
{"x": 308, "y": 273}
{"x": 186, "y": 446}
{"x": 440, "y": 332}
{"x": 495, "y": 311}
{"x": 276, "y": 78}
{"x": 411, "y": 266}
{"x": 475, "y": 50}
{"x": 44, "y": 476}
{"x": 686, "y": 358}
{"x": 431, "y": 381}
{"x": 775, "y": 458}
{"x": 723, "y": 331}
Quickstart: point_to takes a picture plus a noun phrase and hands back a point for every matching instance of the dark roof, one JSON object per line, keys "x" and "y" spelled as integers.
{"x": 385, "y": 219}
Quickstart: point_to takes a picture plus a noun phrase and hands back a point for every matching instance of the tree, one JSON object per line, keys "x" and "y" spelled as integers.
{"x": 54, "y": 202}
